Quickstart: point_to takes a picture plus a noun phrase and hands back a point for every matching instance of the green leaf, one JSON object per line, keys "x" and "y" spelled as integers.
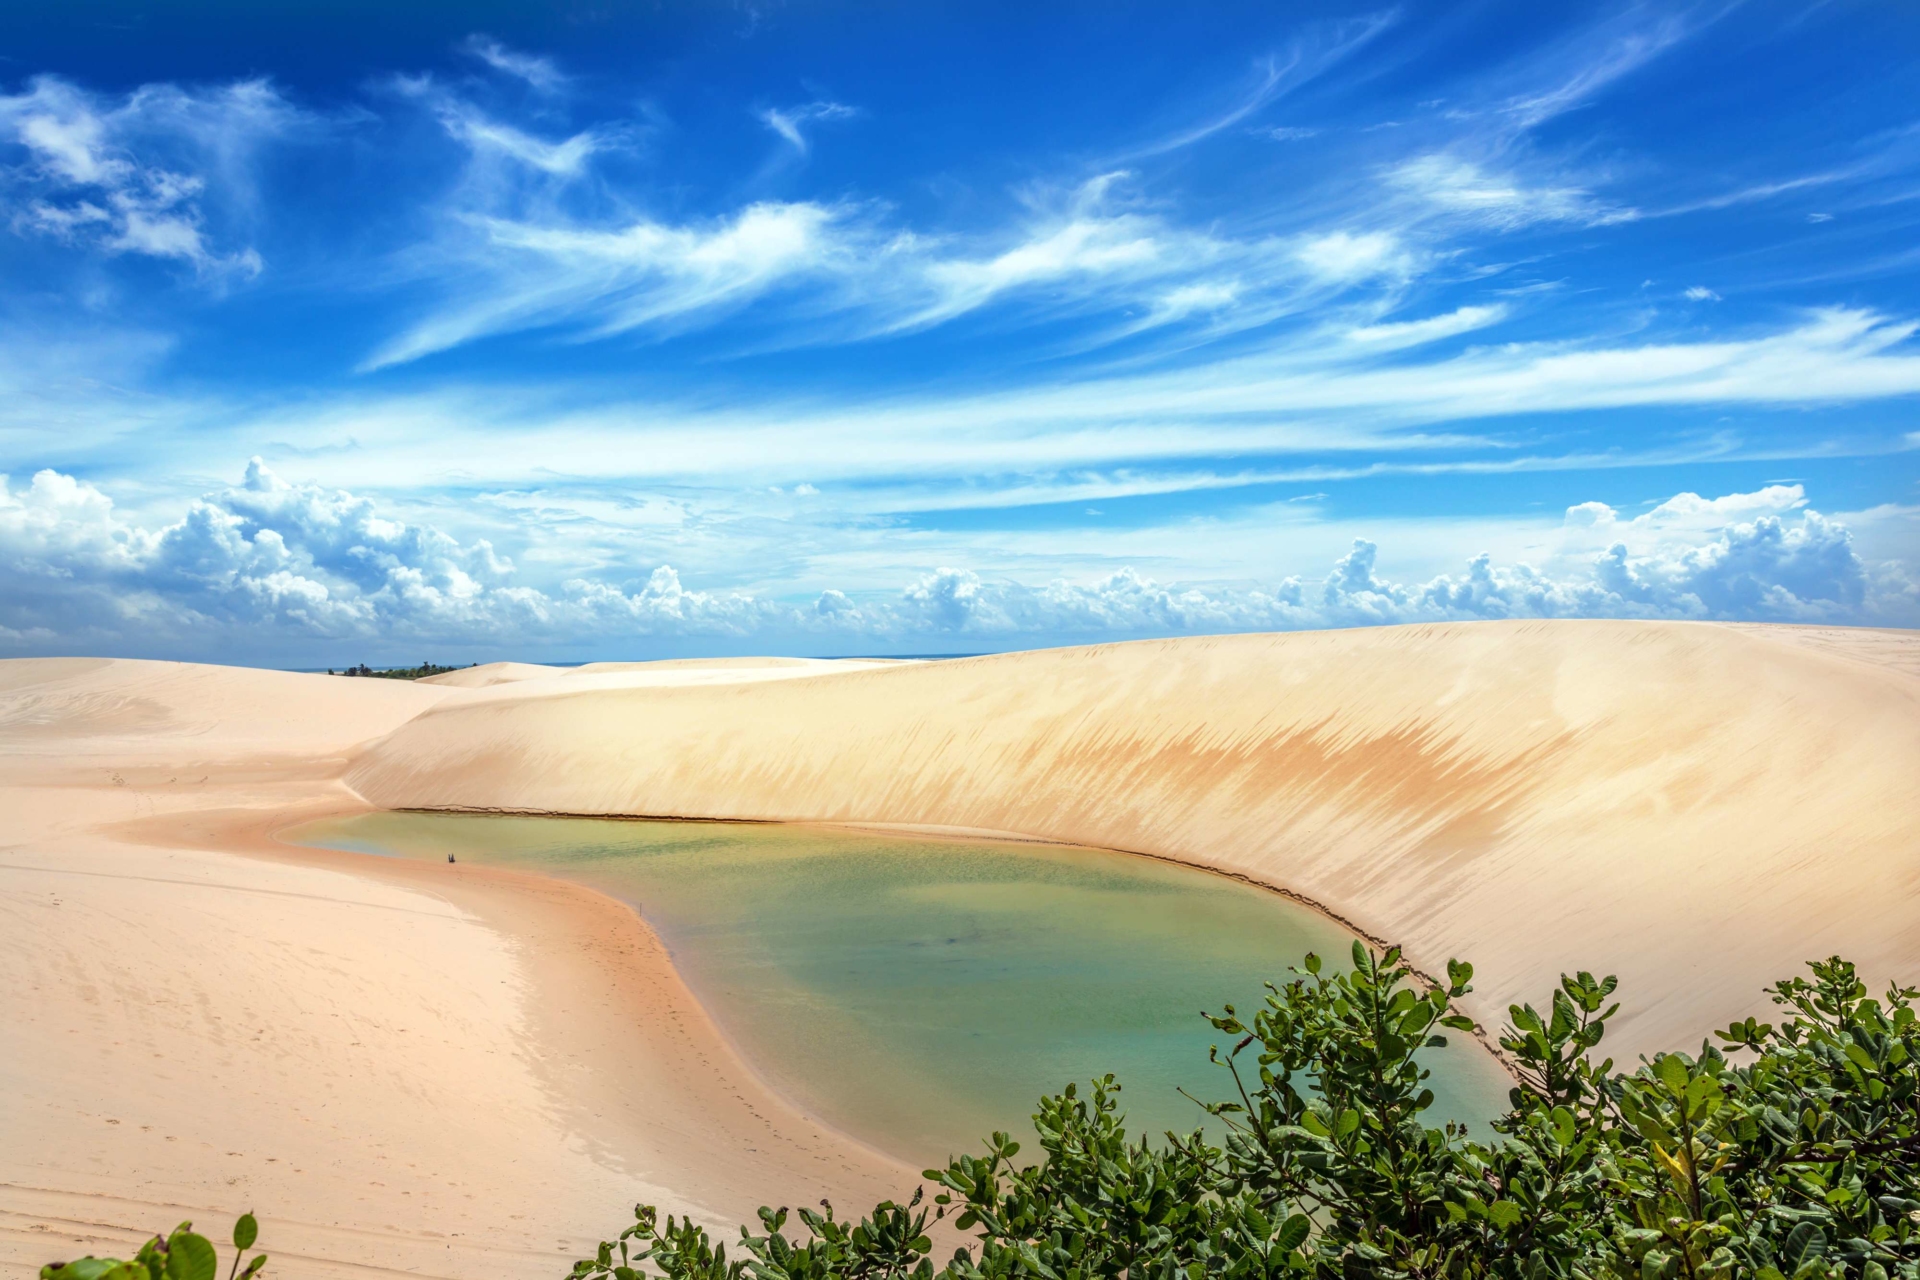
{"x": 1503, "y": 1213}
{"x": 1804, "y": 1242}
{"x": 1671, "y": 1072}
{"x": 1294, "y": 1232}
{"x": 245, "y": 1232}
{"x": 1459, "y": 974}
{"x": 94, "y": 1269}
{"x": 191, "y": 1257}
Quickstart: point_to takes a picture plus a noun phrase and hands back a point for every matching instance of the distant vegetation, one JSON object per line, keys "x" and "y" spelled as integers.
{"x": 420, "y": 672}
{"x": 1788, "y": 1153}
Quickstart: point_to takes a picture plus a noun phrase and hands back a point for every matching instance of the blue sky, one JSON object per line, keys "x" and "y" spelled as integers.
{"x": 621, "y": 330}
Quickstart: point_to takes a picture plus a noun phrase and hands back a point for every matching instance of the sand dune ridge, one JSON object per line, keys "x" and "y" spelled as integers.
{"x": 1692, "y": 806}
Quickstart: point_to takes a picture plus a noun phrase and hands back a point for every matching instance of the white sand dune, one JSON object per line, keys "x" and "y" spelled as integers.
{"x": 452, "y": 1070}
{"x": 1695, "y": 807}
{"x": 400, "y": 1067}
{"x": 523, "y": 679}
{"x": 492, "y": 673}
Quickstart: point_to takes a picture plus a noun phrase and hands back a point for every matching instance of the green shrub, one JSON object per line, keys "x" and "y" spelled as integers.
{"x": 1790, "y": 1153}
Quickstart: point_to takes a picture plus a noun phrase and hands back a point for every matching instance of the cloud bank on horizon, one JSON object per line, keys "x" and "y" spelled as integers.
{"x": 694, "y": 329}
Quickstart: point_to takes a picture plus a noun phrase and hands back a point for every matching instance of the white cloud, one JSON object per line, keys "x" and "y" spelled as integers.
{"x": 1318, "y": 50}
{"x": 1081, "y": 250}
{"x": 1088, "y": 244}
{"x": 641, "y": 274}
{"x": 541, "y": 73}
{"x": 1372, "y": 412}
{"x": 1208, "y": 295}
{"x": 491, "y": 140}
{"x": 789, "y": 122}
{"x": 271, "y": 564}
{"x": 1413, "y": 333}
{"x": 273, "y": 561}
{"x": 1700, "y": 293}
{"x": 1802, "y": 569}
{"x": 143, "y": 173}
{"x": 1501, "y": 201}
{"x": 565, "y": 158}
{"x": 1345, "y": 255}
{"x": 1593, "y": 61}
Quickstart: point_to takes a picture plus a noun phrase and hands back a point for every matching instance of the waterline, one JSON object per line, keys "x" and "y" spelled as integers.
{"x": 918, "y": 992}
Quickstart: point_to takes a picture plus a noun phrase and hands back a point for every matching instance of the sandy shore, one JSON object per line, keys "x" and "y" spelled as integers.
{"x": 422, "y": 1069}
{"x": 414, "y": 1067}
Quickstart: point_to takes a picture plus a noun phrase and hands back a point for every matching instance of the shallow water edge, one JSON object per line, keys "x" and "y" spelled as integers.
{"x": 916, "y": 989}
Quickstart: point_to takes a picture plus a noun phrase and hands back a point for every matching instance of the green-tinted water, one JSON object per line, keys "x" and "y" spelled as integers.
{"x": 921, "y": 993}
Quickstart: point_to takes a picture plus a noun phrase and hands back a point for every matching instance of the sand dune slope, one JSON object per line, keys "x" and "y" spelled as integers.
{"x": 402, "y": 1067}
{"x": 521, "y": 679}
{"x": 59, "y": 708}
{"x": 1695, "y": 807}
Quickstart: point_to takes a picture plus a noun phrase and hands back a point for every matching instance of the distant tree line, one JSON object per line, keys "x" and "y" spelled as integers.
{"x": 420, "y": 672}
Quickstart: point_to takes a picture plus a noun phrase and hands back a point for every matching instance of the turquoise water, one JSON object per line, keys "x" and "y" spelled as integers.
{"x": 920, "y": 993}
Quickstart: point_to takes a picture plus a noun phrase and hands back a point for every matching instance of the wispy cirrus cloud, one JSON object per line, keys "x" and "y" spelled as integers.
{"x": 488, "y": 138}
{"x": 562, "y": 157}
{"x": 540, "y": 73}
{"x": 1083, "y": 251}
{"x": 1305, "y": 59}
{"x": 791, "y": 123}
{"x": 1329, "y": 393}
{"x": 644, "y": 273}
{"x": 1394, "y": 335}
{"x": 145, "y": 173}
{"x": 1569, "y": 77}
{"x": 1103, "y": 249}
{"x": 1467, "y": 190}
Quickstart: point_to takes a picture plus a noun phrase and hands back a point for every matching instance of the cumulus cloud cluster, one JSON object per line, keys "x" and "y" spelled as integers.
{"x": 274, "y": 563}
{"x": 1798, "y": 567}
{"x": 271, "y": 560}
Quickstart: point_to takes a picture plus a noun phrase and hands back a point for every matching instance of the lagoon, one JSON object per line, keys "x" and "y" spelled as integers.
{"x": 918, "y": 993}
